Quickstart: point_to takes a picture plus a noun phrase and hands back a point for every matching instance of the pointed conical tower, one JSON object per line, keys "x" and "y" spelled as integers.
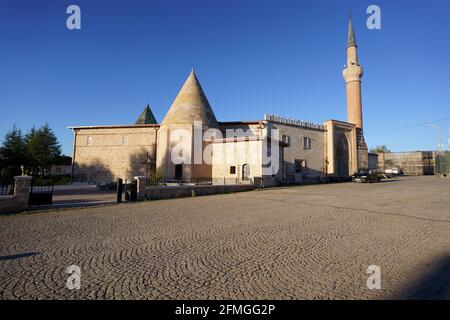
{"x": 181, "y": 132}
{"x": 191, "y": 105}
{"x": 146, "y": 116}
{"x": 353, "y": 73}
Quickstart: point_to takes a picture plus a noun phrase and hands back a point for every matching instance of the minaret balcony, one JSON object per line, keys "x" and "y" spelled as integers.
{"x": 353, "y": 73}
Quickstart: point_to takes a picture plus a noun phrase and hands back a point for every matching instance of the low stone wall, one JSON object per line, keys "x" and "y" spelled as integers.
{"x": 8, "y": 203}
{"x": 18, "y": 201}
{"x": 170, "y": 192}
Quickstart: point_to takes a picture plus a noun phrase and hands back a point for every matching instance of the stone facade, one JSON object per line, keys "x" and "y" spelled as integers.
{"x": 304, "y": 153}
{"x": 19, "y": 200}
{"x": 410, "y": 163}
{"x": 373, "y": 161}
{"x": 341, "y": 149}
{"x": 111, "y": 152}
{"x": 241, "y": 159}
{"x": 301, "y": 152}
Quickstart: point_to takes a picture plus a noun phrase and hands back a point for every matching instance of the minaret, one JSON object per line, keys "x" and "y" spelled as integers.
{"x": 353, "y": 73}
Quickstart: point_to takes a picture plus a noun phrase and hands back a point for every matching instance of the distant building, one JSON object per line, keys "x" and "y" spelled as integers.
{"x": 62, "y": 166}
{"x": 410, "y": 163}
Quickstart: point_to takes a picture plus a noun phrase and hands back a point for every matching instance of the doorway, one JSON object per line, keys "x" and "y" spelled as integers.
{"x": 342, "y": 157}
{"x": 178, "y": 171}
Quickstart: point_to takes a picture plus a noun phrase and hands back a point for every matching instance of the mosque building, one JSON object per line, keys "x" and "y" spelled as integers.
{"x": 190, "y": 143}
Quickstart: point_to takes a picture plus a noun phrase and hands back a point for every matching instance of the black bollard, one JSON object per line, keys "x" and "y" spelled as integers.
{"x": 119, "y": 190}
{"x": 133, "y": 191}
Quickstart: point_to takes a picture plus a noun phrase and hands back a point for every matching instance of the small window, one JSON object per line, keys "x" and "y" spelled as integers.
{"x": 89, "y": 140}
{"x": 232, "y": 169}
{"x": 306, "y": 143}
{"x": 286, "y": 139}
{"x": 125, "y": 140}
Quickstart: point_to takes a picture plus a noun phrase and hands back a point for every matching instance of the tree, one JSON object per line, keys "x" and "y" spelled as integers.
{"x": 380, "y": 149}
{"x": 43, "y": 148}
{"x": 13, "y": 155}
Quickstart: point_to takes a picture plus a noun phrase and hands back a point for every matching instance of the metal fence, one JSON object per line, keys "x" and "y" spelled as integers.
{"x": 197, "y": 181}
{"x": 7, "y": 190}
{"x": 442, "y": 163}
{"x": 41, "y": 192}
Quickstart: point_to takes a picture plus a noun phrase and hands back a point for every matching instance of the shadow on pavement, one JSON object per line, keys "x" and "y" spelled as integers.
{"x": 390, "y": 180}
{"x": 435, "y": 285}
{"x": 18, "y": 256}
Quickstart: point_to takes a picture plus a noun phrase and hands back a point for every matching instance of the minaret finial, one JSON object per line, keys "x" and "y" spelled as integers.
{"x": 351, "y": 35}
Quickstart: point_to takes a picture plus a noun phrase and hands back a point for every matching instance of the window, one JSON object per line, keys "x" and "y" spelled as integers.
{"x": 89, "y": 140}
{"x": 232, "y": 169}
{"x": 286, "y": 139}
{"x": 124, "y": 139}
{"x": 299, "y": 165}
{"x": 245, "y": 172}
{"x": 306, "y": 143}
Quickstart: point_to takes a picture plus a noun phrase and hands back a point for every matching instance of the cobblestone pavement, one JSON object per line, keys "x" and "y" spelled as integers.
{"x": 283, "y": 243}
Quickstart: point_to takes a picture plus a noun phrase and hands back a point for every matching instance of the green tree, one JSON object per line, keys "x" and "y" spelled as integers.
{"x": 380, "y": 149}
{"x": 43, "y": 149}
{"x": 13, "y": 155}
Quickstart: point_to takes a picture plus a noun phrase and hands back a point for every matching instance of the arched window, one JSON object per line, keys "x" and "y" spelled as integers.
{"x": 245, "y": 172}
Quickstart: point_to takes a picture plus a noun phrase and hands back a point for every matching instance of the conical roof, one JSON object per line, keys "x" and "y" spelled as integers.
{"x": 351, "y": 41}
{"x": 146, "y": 116}
{"x": 190, "y": 105}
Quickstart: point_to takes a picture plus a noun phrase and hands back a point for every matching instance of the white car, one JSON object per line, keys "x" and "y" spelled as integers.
{"x": 391, "y": 171}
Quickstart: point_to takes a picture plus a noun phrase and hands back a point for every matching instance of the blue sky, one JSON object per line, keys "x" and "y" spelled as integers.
{"x": 251, "y": 57}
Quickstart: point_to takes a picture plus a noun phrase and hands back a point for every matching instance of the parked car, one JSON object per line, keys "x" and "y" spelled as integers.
{"x": 390, "y": 172}
{"x": 367, "y": 177}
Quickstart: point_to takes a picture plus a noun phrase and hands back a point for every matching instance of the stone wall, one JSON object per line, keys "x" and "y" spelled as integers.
{"x": 313, "y": 156}
{"x": 373, "y": 160}
{"x": 411, "y": 163}
{"x": 18, "y": 201}
{"x": 107, "y": 153}
{"x": 161, "y": 192}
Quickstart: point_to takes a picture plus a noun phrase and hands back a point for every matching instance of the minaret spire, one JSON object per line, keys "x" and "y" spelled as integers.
{"x": 351, "y": 41}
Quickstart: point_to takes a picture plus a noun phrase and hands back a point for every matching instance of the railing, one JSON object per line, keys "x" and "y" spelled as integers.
{"x": 442, "y": 163}
{"x": 7, "y": 190}
{"x": 41, "y": 192}
{"x": 198, "y": 181}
